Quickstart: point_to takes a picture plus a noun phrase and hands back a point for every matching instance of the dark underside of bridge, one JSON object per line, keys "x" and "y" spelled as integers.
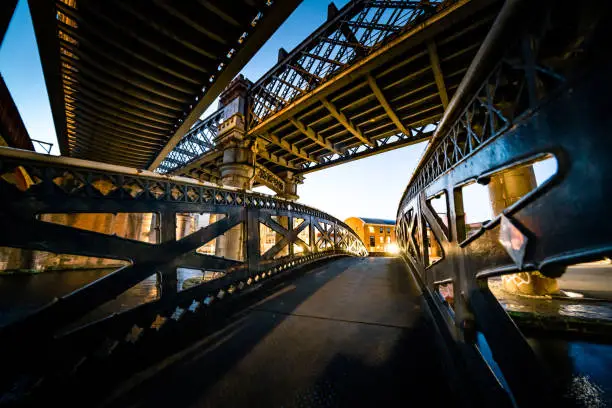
{"x": 125, "y": 78}
{"x": 396, "y": 93}
{"x": 347, "y": 333}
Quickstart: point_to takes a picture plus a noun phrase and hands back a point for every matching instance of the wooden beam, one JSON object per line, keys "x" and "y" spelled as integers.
{"x": 283, "y": 144}
{"x": 437, "y": 71}
{"x": 346, "y": 122}
{"x": 385, "y": 104}
{"x": 314, "y": 136}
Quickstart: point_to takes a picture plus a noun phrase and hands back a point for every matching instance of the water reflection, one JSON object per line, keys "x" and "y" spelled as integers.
{"x": 22, "y": 294}
{"x": 188, "y": 278}
{"x": 580, "y": 370}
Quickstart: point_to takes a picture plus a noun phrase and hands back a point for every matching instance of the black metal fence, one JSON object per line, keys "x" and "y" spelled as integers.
{"x": 534, "y": 92}
{"x": 65, "y": 206}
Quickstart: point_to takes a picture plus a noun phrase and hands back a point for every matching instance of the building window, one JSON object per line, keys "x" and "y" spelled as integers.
{"x": 388, "y": 240}
{"x": 381, "y": 230}
{"x": 388, "y": 230}
{"x": 381, "y": 239}
{"x": 371, "y": 229}
{"x": 372, "y": 240}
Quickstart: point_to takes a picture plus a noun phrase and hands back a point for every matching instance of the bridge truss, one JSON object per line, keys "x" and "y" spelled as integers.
{"x": 344, "y": 92}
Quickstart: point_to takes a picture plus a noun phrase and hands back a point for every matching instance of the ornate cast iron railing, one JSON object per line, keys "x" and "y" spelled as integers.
{"x": 535, "y": 90}
{"x": 349, "y": 34}
{"x": 69, "y": 206}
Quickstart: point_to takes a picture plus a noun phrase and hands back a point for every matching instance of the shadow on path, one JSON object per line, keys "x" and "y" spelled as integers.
{"x": 348, "y": 333}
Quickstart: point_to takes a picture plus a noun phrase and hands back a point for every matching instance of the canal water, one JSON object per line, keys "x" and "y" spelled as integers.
{"x": 582, "y": 370}
{"x": 23, "y": 293}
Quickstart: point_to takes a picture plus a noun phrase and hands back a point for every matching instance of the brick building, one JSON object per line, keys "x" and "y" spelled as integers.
{"x": 377, "y": 234}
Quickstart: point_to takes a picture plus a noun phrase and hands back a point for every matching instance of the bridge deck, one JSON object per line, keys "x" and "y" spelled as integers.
{"x": 348, "y": 333}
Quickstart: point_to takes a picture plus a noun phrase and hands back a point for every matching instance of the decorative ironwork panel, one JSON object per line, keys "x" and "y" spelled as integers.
{"x": 533, "y": 92}
{"x": 86, "y": 209}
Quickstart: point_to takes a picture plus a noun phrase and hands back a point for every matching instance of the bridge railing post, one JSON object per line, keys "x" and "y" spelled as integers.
{"x": 166, "y": 276}
{"x": 253, "y": 252}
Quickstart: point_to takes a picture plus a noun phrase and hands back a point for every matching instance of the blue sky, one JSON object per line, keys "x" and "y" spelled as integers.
{"x": 369, "y": 187}
{"x": 20, "y": 67}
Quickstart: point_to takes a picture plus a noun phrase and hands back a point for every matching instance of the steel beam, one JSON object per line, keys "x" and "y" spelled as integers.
{"x": 283, "y": 144}
{"x": 185, "y": 152}
{"x": 346, "y": 122}
{"x": 432, "y": 50}
{"x": 312, "y": 135}
{"x": 367, "y": 153}
{"x": 191, "y": 23}
{"x": 346, "y": 31}
{"x": 276, "y": 159}
{"x": 220, "y": 13}
{"x": 385, "y": 104}
{"x": 317, "y": 57}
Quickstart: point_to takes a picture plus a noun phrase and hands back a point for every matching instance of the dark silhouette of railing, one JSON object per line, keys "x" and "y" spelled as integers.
{"x": 530, "y": 93}
{"x": 36, "y": 188}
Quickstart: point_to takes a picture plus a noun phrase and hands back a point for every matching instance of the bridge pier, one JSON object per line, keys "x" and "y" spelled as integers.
{"x": 291, "y": 182}
{"x": 506, "y": 188}
{"x": 238, "y": 167}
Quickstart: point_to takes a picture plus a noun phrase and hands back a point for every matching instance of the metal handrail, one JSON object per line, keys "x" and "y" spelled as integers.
{"x": 485, "y": 60}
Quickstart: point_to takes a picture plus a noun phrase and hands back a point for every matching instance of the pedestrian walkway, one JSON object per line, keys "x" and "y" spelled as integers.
{"x": 348, "y": 333}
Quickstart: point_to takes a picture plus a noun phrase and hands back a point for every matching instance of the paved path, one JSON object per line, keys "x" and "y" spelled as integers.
{"x": 349, "y": 333}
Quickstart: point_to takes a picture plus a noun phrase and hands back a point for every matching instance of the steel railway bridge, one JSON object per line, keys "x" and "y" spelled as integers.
{"x": 246, "y": 299}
